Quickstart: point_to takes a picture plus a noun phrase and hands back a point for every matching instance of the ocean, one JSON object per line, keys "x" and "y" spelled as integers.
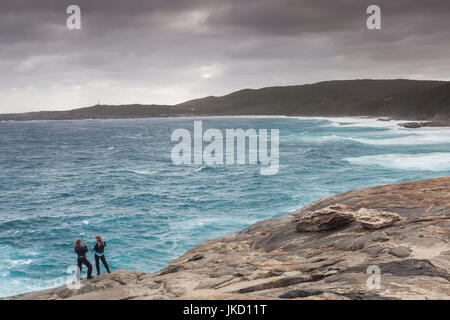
{"x": 63, "y": 180}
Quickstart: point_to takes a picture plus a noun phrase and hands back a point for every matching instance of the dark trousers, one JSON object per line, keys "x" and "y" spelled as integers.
{"x": 85, "y": 261}
{"x": 97, "y": 263}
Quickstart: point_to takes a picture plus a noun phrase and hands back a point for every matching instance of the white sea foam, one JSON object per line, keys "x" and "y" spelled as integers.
{"x": 364, "y": 122}
{"x": 367, "y": 123}
{"x": 143, "y": 172}
{"x": 323, "y": 139}
{"x": 437, "y": 161}
{"x": 395, "y": 135}
{"x": 20, "y": 262}
{"x": 423, "y": 136}
{"x": 12, "y": 287}
{"x": 408, "y": 140}
{"x": 199, "y": 168}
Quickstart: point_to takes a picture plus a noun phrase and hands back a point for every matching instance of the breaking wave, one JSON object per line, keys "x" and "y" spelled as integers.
{"x": 425, "y": 161}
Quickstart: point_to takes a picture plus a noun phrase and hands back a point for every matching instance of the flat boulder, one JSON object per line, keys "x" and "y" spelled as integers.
{"x": 375, "y": 219}
{"x": 400, "y": 252}
{"x": 326, "y": 218}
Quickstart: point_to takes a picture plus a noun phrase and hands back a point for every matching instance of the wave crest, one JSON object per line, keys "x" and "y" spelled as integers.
{"x": 437, "y": 161}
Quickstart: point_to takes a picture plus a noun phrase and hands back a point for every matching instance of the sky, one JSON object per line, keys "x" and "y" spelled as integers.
{"x": 170, "y": 51}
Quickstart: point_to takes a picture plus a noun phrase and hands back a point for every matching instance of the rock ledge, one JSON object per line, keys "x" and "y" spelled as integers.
{"x": 403, "y": 229}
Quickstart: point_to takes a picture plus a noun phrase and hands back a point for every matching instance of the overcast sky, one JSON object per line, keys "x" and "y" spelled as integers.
{"x": 166, "y": 52}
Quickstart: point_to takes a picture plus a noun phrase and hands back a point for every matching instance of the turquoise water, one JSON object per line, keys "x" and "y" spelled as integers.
{"x": 62, "y": 180}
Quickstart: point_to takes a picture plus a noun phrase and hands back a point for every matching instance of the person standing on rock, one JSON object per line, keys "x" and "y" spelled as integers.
{"x": 99, "y": 254}
{"x": 81, "y": 252}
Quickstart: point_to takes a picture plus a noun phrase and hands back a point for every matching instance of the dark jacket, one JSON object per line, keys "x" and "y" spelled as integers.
{"x": 100, "y": 246}
{"x": 81, "y": 251}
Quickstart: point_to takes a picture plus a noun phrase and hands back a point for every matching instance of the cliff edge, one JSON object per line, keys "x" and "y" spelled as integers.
{"x": 326, "y": 250}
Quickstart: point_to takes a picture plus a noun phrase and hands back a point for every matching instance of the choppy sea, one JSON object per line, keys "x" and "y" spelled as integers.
{"x": 62, "y": 180}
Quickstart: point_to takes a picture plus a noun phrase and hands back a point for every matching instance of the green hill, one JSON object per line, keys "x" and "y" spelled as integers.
{"x": 406, "y": 99}
{"x": 394, "y": 98}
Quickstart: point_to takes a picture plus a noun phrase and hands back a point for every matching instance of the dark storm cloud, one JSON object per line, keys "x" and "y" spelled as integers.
{"x": 161, "y": 51}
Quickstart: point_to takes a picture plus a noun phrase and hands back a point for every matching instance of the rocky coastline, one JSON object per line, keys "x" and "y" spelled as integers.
{"x": 325, "y": 250}
{"x": 422, "y": 124}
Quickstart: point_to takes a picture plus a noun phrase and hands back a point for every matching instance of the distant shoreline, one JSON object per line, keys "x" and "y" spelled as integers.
{"x": 409, "y": 100}
{"x": 405, "y": 123}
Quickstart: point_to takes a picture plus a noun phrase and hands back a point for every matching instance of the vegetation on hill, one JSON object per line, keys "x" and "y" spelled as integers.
{"x": 406, "y": 99}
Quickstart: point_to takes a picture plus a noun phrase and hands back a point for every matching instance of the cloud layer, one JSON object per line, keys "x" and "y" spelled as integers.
{"x": 166, "y": 51}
